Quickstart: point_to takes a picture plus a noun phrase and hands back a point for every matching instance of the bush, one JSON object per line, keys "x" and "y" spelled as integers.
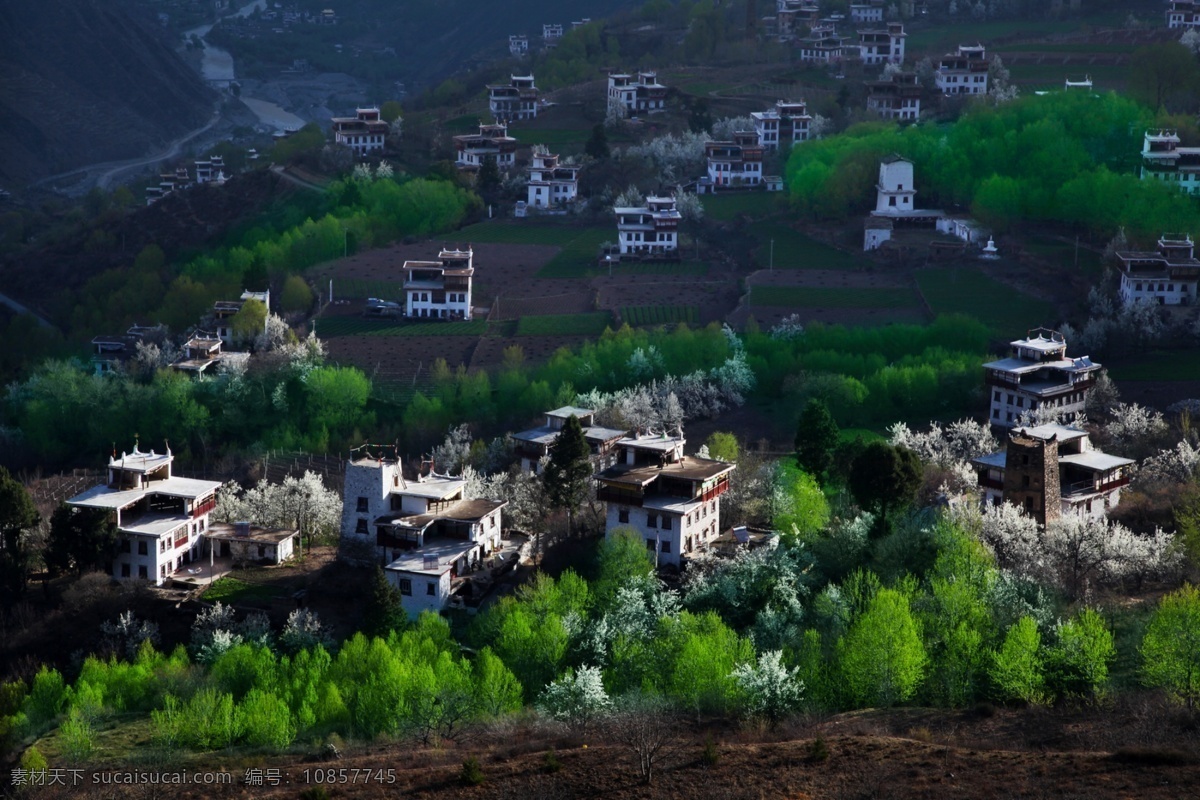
{"x": 710, "y": 755}
{"x": 472, "y": 773}
{"x": 296, "y": 296}
{"x": 818, "y": 751}
{"x": 552, "y": 764}
{"x": 76, "y": 737}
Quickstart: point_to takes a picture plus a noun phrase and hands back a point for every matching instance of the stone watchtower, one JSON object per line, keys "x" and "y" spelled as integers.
{"x": 1031, "y": 480}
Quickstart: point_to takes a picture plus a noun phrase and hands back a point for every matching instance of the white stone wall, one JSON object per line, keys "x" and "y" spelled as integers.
{"x": 374, "y": 483}
{"x": 701, "y": 525}
{"x": 419, "y": 599}
{"x": 1162, "y": 291}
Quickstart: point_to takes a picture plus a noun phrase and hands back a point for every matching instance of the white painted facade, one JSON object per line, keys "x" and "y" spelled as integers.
{"x": 1168, "y": 276}
{"x": 636, "y": 94}
{"x": 1183, "y": 14}
{"x": 650, "y": 230}
{"x": 963, "y": 72}
{"x": 866, "y": 12}
{"x": 895, "y": 191}
{"x": 550, "y": 183}
{"x": 1037, "y": 373}
{"x": 879, "y": 46}
{"x": 363, "y": 133}
{"x": 440, "y": 289}
{"x": 161, "y": 520}
{"x": 516, "y": 100}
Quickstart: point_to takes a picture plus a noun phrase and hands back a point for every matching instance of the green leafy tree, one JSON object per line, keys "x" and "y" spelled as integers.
{"x": 884, "y": 478}
{"x": 1018, "y": 667}
{"x": 390, "y": 111}
{"x": 1162, "y": 73}
{"x": 597, "y": 144}
{"x": 497, "y": 690}
{"x": 882, "y": 657}
{"x": 622, "y": 560}
{"x": 296, "y": 296}
{"x": 17, "y": 516}
{"x": 722, "y": 446}
{"x": 384, "y": 613}
{"x": 1171, "y": 647}
{"x": 816, "y": 438}
{"x": 488, "y": 179}
{"x": 80, "y": 538}
{"x": 1077, "y": 665}
{"x": 249, "y": 321}
{"x": 568, "y": 474}
{"x": 799, "y": 506}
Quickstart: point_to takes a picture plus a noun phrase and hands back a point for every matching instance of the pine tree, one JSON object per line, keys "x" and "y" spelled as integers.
{"x": 816, "y": 438}
{"x": 384, "y": 613}
{"x": 568, "y": 475}
{"x": 597, "y": 145}
{"x": 17, "y": 515}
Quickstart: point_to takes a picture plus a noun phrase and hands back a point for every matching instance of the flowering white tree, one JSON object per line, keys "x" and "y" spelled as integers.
{"x": 675, "y": 157}
{"x": 630, "y": 198}
{"x": 771, "y": 690}
{"x": 999, "y": 89}
{"x": 577, "y": 698}
{"x": 1134, "y": 428}
{"x": 1191, "y": 40}
{"x": 303, "y": 631}
{"x": 789, "y": 328}
{"x": 1172, "y": 466}
{"x": 126, "y": 635}
{"x": 276, "y": 334}
{"x": 724, "y": 129}
{"x": 304, "y": 503}
{"x": 1074, "y": 552}
{"x": 384, "y": 171}
{"x": 947, "y": 445}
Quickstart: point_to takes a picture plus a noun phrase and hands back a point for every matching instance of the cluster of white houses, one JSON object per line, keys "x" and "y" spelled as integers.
{"x": 1165, "y": 159}
{"x": 430, "y": 537}
{"x": 896, "y": 211}
{"x": 207, "y": 170}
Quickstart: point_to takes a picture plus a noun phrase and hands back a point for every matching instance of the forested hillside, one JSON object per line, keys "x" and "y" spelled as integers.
{"x": 82, "y": 82}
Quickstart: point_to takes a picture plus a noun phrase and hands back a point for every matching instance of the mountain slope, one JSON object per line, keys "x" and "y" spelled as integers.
{"x": 82, "y": 82}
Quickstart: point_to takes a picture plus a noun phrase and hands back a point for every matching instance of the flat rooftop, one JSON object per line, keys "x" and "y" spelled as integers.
{"x": 570, "y": 411}
{"x": 1063, "y": 432}
{"x": 991, "y": 460}
{"x": 657, "y": 442}
{"x": 689, "y": 468}
{"x": 1095, "y": 461}
{"x": 155, "y": 524}
{"x": 223, "y": 530}
{"x": 104, "y": 497}
{"x": 137, "y": 461}
{"x": 440, "y": 552}
{"x": 462, "y": 511}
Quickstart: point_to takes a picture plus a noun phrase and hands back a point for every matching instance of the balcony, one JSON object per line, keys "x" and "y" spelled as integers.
{"x": 991, "y": 483}
{"x": 1095, "y": 487}
{"x": 200, "y": 509}
{"x": 607, "y": 494}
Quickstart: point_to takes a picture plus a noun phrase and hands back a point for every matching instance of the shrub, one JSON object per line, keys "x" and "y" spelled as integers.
{"x": 472, "y": 773}
{"x": 552, "y": 764}
{"x": 710, "y": 755}
{"x": 76, "y": 737}
{"x": 818, "y": 751}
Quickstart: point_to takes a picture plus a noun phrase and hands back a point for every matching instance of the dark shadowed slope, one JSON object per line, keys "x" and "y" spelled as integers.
{"x": 82, "y": 82}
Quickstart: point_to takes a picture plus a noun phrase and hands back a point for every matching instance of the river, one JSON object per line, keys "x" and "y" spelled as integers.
{"x": 216, "y": 66}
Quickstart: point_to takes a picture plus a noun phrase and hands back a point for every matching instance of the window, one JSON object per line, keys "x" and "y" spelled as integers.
{"x": 891, "y": 201}
{"x": 666, "y": 523}
{"x": 995, "y": 413}
{"x": 262, "y": 551}
{"x": 1025, "y": 481}
{"x": 623, "y": 515}
{"x": 666, "y": 547}
{"x": 362, "y": 505}
{"x": 652, "y": 520}
{"x": 142, "y": 548}
{"x": 125, "y": 570}
{"x": 650, "y": 545}
{"x": 406, "y": 587}
{"x": 430, "y": 588}
{"x": 361, "y": 526}
{"x": 124, "y": 545}
{"x": 162, "y": 546}
{"x": 142, "y": 572}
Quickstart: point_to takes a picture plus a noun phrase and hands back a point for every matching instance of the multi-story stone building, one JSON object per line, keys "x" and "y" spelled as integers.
{"x": 1164, "y": 159}
{"x": 492, "y": 142}
{"x": 551, "y": 183}
{"x": 867, "y": 12}
{"x": 670, "y": 500}
{"x": 650, "y": 230}
{"x": 439, "y": 289}
{"x": 424, "y": 532}
{"x": 161, "y": 520}
{"x": 964, "y": 71}
{"x": 882, "y": 45}
{"x": 896, "y": 97}
{"x": 363, "y": 133}
{"x": 535, "y": 444}
{"x": 1050, "y": 470}
{"x": 789, "y": 121}
{"x": 1038, "y": 374}
{"x": 1183, "y": 14}
{"x": 631, "y": 95}
{"x": 735, "y": 164}
{"x": 1168, "y": 276}
{"x": 514, "y": 101}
